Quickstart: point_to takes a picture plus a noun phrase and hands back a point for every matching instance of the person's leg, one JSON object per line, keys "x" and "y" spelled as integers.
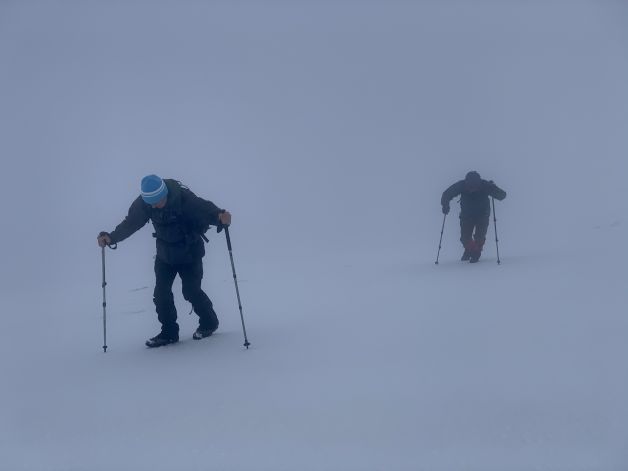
{"x": 191, "y": 276}
{"x": 466, "y": 236}
{"x": 481, "y": 228}
{"x": 163, "y": 299}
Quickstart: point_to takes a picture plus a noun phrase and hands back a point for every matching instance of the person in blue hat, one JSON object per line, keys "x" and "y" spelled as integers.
{"x": 180, "y": 219}
{"x": 475, "y": 211}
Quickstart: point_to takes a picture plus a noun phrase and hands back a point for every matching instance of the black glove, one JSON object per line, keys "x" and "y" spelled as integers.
{"x": 446, "y": 209}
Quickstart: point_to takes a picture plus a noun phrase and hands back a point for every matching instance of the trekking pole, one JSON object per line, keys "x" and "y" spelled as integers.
{"x": 235, "y": 280}
{"x": 441, "y": 239}
{"x": 495, "y": 225}
{"x": 104, "y": 296}
{"x": 104, "y": 303}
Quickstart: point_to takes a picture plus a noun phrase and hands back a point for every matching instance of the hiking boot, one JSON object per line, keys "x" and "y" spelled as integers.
{"x": 162, "y": 339}
{"x": 202, "y": 332}
{"x": 466, "y": 255}
{"x": 475, "y": 257}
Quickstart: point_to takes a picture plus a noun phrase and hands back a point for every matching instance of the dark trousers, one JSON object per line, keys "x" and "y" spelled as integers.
{"x": 191, "y": 275}
{"x": 473, "y": 232}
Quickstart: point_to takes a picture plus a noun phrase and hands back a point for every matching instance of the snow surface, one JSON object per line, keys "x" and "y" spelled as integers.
{"x": 329, "y": 129}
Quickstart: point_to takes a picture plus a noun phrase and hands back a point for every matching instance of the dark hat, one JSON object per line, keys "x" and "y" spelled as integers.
{"x": 472, "y": 180}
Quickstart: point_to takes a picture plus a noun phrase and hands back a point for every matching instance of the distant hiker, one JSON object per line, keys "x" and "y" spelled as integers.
{"x": 179, "y": 218}
{"x": 475, "y": 209}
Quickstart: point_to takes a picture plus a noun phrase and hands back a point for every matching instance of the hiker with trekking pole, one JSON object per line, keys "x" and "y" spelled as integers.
{"x": 475, "y": 211}
{"x": 180, "y": 219}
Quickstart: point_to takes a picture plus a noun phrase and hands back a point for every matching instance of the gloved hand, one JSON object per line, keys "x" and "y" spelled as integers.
{"x": 104, "y": 239}
{"x": 225, "y": 220}
{"x": 446, "y": 209}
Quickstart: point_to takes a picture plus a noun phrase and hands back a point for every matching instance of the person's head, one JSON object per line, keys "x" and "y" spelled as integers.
{"x": 154, "y": 191}
{"x": 472, "y": 181}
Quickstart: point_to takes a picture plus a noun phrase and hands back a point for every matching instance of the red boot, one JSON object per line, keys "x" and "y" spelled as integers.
{"x": 469, "y": 250}
{"x": 477, "y": 251}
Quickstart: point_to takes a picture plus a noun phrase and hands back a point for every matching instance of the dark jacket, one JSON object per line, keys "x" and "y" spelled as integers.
{"x": 178, "y": 225}
{"x": 473, "y": 203}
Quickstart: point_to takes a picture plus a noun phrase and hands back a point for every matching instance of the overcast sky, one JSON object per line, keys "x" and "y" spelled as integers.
{"x": 324, "y": 124}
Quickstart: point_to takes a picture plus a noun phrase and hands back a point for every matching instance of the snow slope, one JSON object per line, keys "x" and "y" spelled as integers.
{"x": 330, "y": 131}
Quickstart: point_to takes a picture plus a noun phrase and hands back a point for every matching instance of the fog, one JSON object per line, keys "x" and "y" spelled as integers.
{"x": 329, "y": 130}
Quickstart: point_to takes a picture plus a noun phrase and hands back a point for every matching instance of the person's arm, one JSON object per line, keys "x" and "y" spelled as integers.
{"x": 137, "y": 217}
{"x": 495, "y": 191}
{"x": 203, "y": 213}
{"x": 449, "y": 194}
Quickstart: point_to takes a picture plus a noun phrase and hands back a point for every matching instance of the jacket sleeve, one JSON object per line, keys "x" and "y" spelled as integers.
{"x": 136, "y": 219}
{"x": 451, "y": 192}
{"x": 495, "y": 191}
{"x": 200, "y": 212}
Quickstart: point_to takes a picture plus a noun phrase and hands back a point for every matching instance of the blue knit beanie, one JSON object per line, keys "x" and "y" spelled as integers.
{"x": 153, "y": 189}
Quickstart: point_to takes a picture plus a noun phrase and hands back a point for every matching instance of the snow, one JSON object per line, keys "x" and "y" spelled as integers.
{"x": 329, "y": 130}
